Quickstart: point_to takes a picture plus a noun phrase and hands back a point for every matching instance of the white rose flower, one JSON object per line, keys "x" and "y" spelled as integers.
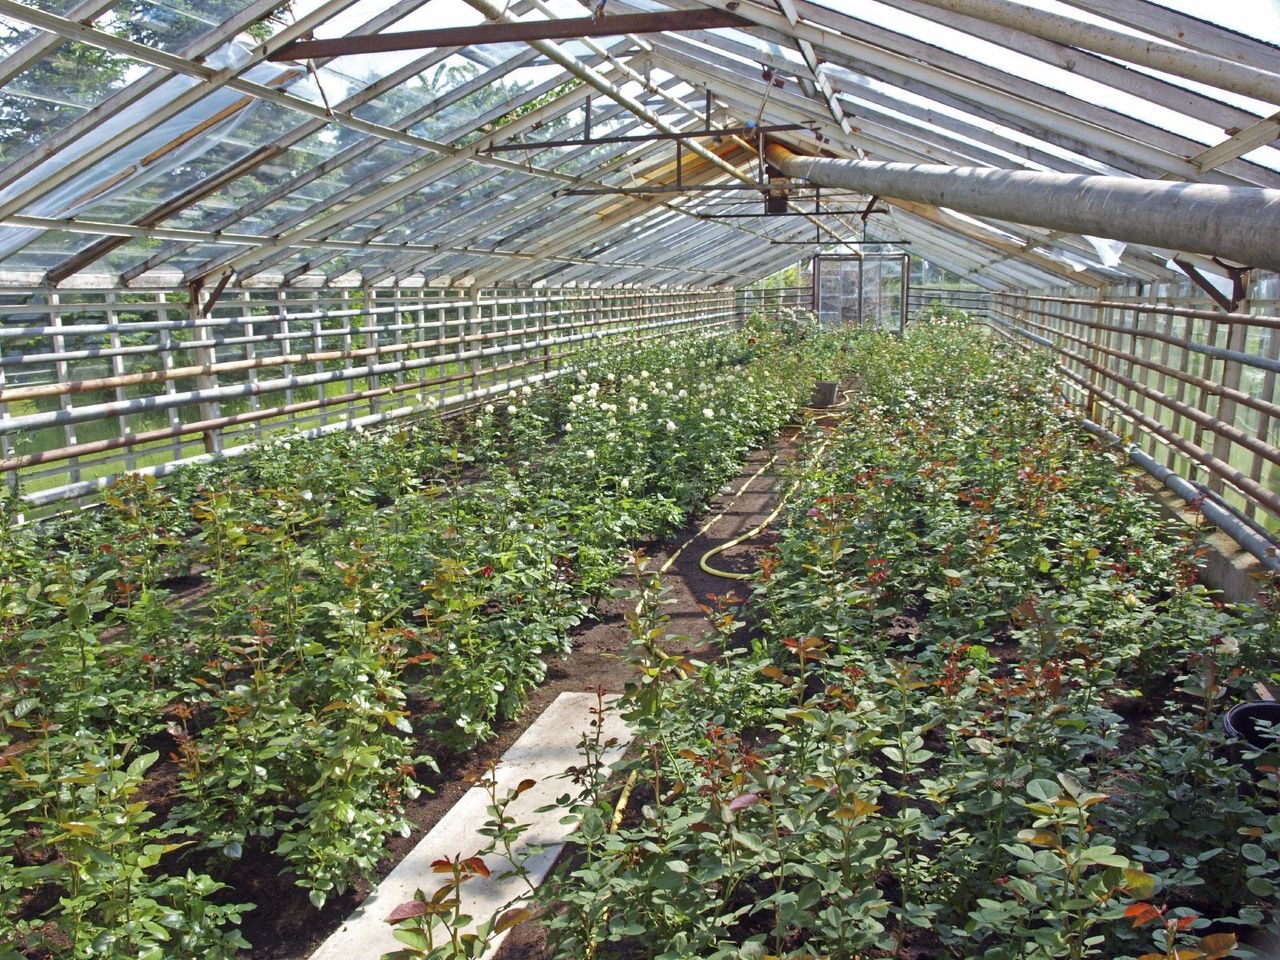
{"x": 526, "y": 390}
{"x": 626, "y": 483}
{"x": 1230, "y": 646}
{"x": 683, "y": 394}
{"x": 671, "y": 427}
{"x": 590, "y": 454}
{"x": 307, "y": 495}
{"x": 511, "y": 408}
{"x": 708, "y": 413}
{"x": 568, "y": 428}
{"x": 488, "y": 408}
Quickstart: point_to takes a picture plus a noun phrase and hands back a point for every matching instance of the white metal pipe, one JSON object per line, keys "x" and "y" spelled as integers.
{"x": 1235, "y": 223}
{"x": 460, "y": 400}
{"x": 99, "y": 411}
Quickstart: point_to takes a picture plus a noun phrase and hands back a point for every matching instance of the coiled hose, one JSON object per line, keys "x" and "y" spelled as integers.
{"x": 814, "y": 414}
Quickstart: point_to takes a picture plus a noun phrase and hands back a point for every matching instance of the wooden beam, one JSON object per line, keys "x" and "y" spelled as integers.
{"x": 522, "y": 32}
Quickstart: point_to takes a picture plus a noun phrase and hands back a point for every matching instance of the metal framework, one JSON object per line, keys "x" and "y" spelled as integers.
{"x": 95, "y": 383}
{"x": 205, "y": 151}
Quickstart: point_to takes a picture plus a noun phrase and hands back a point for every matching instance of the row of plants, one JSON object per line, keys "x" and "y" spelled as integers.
{"x": 262, "y": 656}
{"x": 977, "y": 713}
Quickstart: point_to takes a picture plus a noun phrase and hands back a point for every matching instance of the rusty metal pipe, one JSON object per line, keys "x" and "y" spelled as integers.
{"x": 130, "y": 440}
{"x": 1208, "y": 350}
{"x": 1246, "y": 485}
{"x": 1239, "y": 396}
{"x": 1195, "y": 415}
{"x": 14, "y": 394}
{"x": 1247, "y": 319}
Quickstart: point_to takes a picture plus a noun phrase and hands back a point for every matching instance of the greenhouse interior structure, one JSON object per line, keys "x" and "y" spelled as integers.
{"x": 639, "y": 479}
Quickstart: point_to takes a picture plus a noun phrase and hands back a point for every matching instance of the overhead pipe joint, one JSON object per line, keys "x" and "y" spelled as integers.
{"x": 1234, "y": 223}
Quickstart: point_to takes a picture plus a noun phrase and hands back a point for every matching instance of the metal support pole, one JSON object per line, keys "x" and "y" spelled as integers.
{"x": 206, "y": 357}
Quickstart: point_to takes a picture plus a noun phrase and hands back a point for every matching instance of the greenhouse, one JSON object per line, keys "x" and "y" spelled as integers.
{"x": 639, "y": 479}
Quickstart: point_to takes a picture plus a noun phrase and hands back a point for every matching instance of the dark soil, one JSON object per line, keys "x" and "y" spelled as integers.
{"x": 285, "y": 926}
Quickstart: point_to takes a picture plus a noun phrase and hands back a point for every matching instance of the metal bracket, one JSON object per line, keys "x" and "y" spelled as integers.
{"x": 1238, "y": 276}
{"x": 195, "y": 287}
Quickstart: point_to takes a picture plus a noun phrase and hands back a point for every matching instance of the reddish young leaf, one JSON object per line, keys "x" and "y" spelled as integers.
{"x": 511, "y": 918}
{"x": 477, "y": 866}
{"x": 1141, "y": 914}
{"x": 414, "y": 908}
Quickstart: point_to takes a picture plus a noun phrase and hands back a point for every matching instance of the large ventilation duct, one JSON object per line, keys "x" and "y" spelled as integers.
{"x": 1241, "y": 224}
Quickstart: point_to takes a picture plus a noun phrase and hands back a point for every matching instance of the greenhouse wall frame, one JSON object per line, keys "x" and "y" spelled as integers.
{"x": 1191, "y": 384}
{"x": 98, "y": 382}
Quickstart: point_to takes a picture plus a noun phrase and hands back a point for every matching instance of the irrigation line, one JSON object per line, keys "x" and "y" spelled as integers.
{"x": 773, "y": 514}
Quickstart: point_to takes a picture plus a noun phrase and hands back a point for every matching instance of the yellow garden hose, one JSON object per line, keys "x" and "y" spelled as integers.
{"x": 670, "y": 561}
{"x": 814, "y": 413}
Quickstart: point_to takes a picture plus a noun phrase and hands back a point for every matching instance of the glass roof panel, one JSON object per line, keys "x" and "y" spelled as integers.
{"x": 148, "y": 153}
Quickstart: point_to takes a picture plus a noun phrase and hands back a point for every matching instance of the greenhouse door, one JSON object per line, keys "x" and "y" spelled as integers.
{"x": 870, "y": 290}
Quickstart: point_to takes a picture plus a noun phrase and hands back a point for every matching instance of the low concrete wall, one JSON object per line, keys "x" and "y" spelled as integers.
{"x": 1224, "y": 565}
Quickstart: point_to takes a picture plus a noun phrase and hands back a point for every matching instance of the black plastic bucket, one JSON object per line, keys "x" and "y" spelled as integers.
{"x": 1245, "y": 723}
{"x": 824, "y": 393}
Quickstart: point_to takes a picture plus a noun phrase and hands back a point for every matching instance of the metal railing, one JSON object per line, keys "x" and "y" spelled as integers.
{"x": 755, "y": 300}
{"x": 976, "y": 303}
{"x": 1194, "y": 385}
{"x": 95, "y": 383}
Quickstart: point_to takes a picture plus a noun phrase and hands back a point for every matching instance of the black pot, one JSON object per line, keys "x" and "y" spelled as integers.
{"x": 825, "y": 393}
{"x": 1244, "y": 721}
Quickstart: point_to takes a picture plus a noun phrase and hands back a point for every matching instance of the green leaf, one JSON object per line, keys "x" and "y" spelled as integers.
{"x": 1260, "y": 886}
{"x": 1045, "y": 790}
{"x": 1138, "y": 884}
{"x": 1071, "y": 785}
{"x": 413, "y": 938}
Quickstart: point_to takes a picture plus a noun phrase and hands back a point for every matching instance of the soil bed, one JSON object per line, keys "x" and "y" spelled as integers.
{"x": 285, "y": 926}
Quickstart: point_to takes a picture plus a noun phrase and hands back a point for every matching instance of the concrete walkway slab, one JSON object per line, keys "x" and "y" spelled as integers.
{"x": 543, "y": 753}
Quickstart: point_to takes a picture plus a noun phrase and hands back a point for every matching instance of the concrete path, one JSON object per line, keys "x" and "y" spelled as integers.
{"x": 542, "y": 754}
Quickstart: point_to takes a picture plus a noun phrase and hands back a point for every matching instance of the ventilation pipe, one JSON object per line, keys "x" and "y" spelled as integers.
{"x": 1235, "y": 223}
